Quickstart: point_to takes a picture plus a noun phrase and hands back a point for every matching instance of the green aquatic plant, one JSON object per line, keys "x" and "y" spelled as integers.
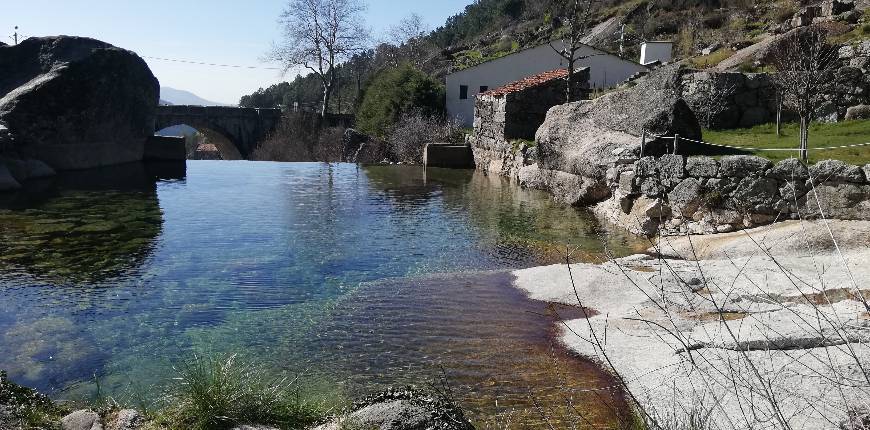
{"x": 224, "y": 391}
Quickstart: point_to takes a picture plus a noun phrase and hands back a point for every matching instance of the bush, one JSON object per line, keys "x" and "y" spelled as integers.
{"x": 414, "y": 130}
{"x": 395, "y": 92}
{"x": 301, "y": 137}
{"x": 225, "y": 391}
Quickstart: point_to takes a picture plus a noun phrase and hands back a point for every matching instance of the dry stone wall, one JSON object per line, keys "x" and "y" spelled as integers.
{"x": 503, "y": 121}
{"x": 674, "y": 195}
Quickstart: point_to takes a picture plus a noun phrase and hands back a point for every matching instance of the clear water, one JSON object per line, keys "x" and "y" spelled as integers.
{"x": 354, "y": 278}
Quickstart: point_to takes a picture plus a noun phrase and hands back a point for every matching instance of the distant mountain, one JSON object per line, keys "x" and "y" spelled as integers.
{"x": 171, "y": 96}
{"x": 181, "y": 130}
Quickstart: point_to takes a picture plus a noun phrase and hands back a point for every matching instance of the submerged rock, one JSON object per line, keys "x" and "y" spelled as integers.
{"x": 75, "y": 102}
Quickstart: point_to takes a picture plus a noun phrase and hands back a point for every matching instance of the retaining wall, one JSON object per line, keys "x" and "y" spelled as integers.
{"x": 674, "y": 194}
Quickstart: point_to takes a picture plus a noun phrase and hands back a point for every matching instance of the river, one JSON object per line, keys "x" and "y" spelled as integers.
{"x": 350, "y": 278}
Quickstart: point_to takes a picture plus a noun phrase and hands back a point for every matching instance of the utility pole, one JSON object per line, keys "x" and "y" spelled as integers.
{"x": 15, "y": 35}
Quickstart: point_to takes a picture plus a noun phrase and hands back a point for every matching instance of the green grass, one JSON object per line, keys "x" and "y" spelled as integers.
{"x": 222, "y": 392}
{"x": 821, "y": 135}
{"x": 714, "y": 58}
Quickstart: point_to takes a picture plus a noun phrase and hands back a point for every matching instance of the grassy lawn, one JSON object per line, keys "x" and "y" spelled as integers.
{"x": 821, "y": 135}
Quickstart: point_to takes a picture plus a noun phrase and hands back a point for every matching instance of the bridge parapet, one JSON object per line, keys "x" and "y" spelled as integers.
{"x": 243, "y": 128}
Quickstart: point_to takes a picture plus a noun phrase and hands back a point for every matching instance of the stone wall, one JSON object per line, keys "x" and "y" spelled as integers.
{"x": 503, "y": 121}
{"x": 702, "y": 195}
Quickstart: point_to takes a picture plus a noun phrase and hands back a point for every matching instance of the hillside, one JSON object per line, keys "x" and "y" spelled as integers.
{"x": 705, "y": 32}
{"x": 180, "y": 97}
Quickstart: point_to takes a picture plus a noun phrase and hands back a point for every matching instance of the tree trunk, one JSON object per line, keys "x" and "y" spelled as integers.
{"x": 778, "y": 115}
{"x": 804, "y": 138}
{"x": 324, "y": 109}
{"x": 569, "y": 93}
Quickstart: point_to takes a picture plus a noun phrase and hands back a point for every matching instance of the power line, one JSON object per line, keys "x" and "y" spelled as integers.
{"x": 200, "y": 63}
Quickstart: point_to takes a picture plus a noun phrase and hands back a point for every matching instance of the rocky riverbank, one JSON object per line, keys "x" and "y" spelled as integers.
{"x": 765, "y": 328}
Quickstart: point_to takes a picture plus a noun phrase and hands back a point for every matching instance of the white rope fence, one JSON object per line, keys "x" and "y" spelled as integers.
{"x": 677, "y": 139}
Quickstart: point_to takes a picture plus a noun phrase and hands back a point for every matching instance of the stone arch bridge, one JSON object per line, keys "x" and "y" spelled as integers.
{"x": 236, "y": 132}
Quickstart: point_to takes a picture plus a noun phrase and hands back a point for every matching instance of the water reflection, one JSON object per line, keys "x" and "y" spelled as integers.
{"x": 81, "y": 227}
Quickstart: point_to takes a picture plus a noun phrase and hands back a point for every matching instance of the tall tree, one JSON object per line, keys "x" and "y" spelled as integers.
{"x": 575, "y": 16}
{"x": 319, "y": 35}
{"x": 805, "y": 63}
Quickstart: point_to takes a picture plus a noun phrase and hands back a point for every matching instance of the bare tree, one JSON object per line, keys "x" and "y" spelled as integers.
{"x": 407, "y": 30}
{"x": 405, "y": 42}
{"x": 576, "y": 14}
{"x": 805, "y": 62}
{"x": 319, "y": 35}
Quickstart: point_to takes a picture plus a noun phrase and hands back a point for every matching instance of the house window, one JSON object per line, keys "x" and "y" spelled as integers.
{"x": 463, "y": 92}
{"x": 484, "y": 88}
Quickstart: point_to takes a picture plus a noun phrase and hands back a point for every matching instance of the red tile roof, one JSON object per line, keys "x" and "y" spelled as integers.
{"x": 526, "y": 83}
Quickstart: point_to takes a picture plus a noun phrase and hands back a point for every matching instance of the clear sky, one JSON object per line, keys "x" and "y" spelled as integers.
{"x": 236, "y": 32}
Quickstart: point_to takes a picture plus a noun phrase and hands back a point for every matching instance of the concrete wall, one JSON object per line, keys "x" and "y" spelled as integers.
{"x": 448, "y": 156}
{"x": 650, "y": 52}
{"x": 606, "y": 70}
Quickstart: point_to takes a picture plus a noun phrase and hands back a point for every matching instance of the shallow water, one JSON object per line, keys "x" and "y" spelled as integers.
{"x": 353, "y": 277}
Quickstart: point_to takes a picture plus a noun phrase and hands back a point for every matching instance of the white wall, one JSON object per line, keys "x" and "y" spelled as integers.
{"x": 606, "y": 71}
{"x": 651, "y": 52}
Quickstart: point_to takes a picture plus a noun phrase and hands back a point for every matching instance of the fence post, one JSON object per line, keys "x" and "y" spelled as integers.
{"x": 676, "y": 142}
{"x": 642, "y": 142}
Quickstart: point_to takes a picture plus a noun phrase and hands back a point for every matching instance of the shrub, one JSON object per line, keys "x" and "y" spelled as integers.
{"x": 225, "y": 391}
{"x": 414, "y": 130}
{"x": 301, "y": 137}
{"x": 395, "y": 92}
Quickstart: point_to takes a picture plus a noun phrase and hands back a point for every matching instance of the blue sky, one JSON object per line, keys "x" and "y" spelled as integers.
{"x": 213, "y": 31}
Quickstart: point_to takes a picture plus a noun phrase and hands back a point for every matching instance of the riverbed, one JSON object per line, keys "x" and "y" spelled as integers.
{"x": 350, "y": 278}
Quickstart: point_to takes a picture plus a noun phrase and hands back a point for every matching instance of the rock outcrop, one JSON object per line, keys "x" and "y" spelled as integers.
{"x": 75, "y": 102}
{"x": 711, "y": 334}
{"x": 583, "y": 139}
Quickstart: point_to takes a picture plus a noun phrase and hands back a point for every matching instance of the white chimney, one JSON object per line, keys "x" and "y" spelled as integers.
{"x": 650, "y": 52}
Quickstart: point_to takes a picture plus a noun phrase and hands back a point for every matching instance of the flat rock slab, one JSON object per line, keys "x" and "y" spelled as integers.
{"x": 709, "y": 335}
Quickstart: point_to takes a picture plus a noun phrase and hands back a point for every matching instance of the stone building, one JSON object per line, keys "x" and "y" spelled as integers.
{"x": 506, "y": 118}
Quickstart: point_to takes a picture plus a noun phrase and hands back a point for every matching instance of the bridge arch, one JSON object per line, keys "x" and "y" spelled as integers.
{"x": 219, "y": 138}
{"x": 236, "y": 132}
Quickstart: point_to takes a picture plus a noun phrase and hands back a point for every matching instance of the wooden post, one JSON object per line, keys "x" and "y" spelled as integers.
{"x": 676, "y": 142}
{"x": 642, "y": 143}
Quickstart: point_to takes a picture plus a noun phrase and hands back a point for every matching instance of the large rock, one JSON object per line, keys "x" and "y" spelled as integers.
{"x": 402, "y": 410}
{"x": 585, "y": 137}
{"x": 858, "y": 112}
{"x": 125, "y": 419}
{"x": 82, "y": 420}
{"x": 836, "y": 171}
{"x": 76, "y": 103}
{"x": 739, "y": 166}
{"x": 7, "y": 180}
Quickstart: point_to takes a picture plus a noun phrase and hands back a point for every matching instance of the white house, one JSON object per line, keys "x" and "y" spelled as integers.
{"x": 606, "y": 71}
{"x": 650, "y": 52}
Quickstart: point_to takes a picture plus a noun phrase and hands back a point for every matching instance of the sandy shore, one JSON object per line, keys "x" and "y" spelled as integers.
{"x": 756, "y": 329}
